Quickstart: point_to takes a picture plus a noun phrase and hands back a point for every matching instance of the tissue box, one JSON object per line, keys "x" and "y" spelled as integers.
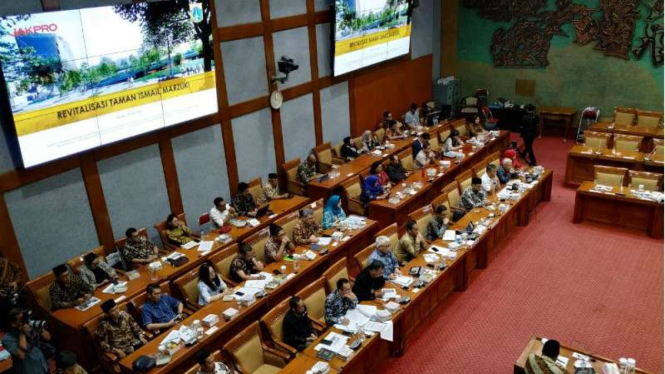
{"x": 230, "y": 313}
{"x": 392, "y": 307}
{"x": 383, "y": 315}
{"x": 320, "y": 368}
{"x": 210, "y": 319}
{"x": 247, "y": 300}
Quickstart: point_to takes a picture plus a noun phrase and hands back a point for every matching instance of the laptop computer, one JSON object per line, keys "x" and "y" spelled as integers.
{"x": 262, "y": 211}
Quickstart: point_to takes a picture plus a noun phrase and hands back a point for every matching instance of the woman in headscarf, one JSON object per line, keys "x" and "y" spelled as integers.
{"x": 370, "y": 141}
{"x": 377, "y": 169}
{"x": 372, "y": 190}
{"x": 333, "y": 213}
{"x": 512, "y": 154}
{"x": 349, "y": 150}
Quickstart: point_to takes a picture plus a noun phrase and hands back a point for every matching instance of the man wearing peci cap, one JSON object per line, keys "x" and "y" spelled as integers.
{"x": 271, "y": 190}
{"x": 545, "y": 363}
{"x": 68, "y": 290}
{"x": 473, "y": 196}
{"x": 306, "y": 231}
{"x": 118, "y": 332}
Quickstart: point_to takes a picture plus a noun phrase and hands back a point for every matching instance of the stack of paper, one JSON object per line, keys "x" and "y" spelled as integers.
{"x": 205, "y": 246}
{"x": 323, "y": 241}
{"x": 189, "y": 245}
{"x": 403, "y": 281}
{"x": 449, "y": 235}
{"x": 337, "y": 341}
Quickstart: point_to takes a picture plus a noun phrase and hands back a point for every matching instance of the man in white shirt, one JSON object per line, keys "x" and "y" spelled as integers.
{"x": 221, "y": 213}
{"x": 491, "y": 183}
{"x": 412, "y": 118}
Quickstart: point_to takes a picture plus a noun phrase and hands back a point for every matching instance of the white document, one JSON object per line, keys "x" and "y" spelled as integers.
{"x": 254, "y": 222}
{"x": 368, "y": 310}
{"x": 205, "y": 246}
{"x": 258, "y": 283}
{"x": 357, "y": 317}
{"x": 449, "y": 235}
{"x": 403, "y": 280}
{"x": 356, "y": 218}
{"x": 174, "y": 255}
{"x": 385, "y": 329}
{"x": 115, "y": 288}
{"x": 338, "y": 341}
{"x": 88, "y": 304}
{"x": 189, "y": 245}
{"x": 324, "y": 241}
{"x": 440, "y": 250}
{"x": 431, "y": 258}
{"x": 173, "y": 336}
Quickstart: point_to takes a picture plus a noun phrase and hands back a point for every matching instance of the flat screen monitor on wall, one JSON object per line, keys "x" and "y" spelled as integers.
{"x": 80, "y": 79}
{"x": 367, "y": 32}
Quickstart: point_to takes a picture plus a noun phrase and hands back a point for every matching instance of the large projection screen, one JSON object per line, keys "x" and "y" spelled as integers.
{"x": 368, "y": 32}
{"x": 81, "y": 79}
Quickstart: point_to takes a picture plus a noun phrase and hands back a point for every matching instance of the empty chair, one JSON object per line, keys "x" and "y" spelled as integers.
{"x": 657, "y": 147}
{"x": 255, "y": 188}
{"x": 406, "y": 158}
{"x": 609, "y": 175}
{"x": 325, "y": 158}
{"x": 627, "y": 142}
{"x": 650, "y": 181}
{"x": 469, "y": 107}
{"x": 292, "y": 184}
{"x": 624, "y": 116}
{"x": 649, "y": 119}
{"x": 596, "y": 140}
{"x": 251, "y": 355}
{"x": 352, "y": 190}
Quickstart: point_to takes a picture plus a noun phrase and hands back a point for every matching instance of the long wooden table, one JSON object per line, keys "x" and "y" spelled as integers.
{"x": 535, "y": 346}
{"x": 619, "y": 207}
{"x": 386, "y": 213}
{"x": 581, "y": 160}
{"x": 557, "y": 114}
{"x": 649, "y": 133}
{"x": 308, "y": 272}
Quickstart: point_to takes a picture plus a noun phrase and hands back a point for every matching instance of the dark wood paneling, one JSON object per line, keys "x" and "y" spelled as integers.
{"x": 297, "y": 91}
{"x": 50, "y": 5}
{"x": 170, "y": 173}
{"x": 248, "y": 107}
{"x": 8, "y": 242}
{"x": 100, "y": 213}
{"x": 323, "y": 16}
{"x": 314, "y": 64}
{"x": 250, "y": 30}
{"x": 391, "y": 87}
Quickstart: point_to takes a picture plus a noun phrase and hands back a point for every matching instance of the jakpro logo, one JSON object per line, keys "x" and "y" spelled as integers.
{"x": 36, "y": 29}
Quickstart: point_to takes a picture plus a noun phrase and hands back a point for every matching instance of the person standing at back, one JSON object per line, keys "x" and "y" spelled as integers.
{"x": 528, "y": 133}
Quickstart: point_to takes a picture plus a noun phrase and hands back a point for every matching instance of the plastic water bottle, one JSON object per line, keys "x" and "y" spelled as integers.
{"x": 622, "y": 365}
{"x": 630, "y": 366}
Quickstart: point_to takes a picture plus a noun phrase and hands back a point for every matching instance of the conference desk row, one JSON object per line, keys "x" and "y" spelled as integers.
{"x": 374, "y": 350}
{"x": 620, "y": 206}
{"x": 581, "y": 160}
{"x": 648, "y": 133}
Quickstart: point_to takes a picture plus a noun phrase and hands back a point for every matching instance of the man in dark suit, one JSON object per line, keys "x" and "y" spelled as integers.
{"x": 528, "y": 133}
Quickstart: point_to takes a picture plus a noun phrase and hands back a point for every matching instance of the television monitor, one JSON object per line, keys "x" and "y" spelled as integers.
{"x": 80, "y": 79}
{"x": 367, "y": 32}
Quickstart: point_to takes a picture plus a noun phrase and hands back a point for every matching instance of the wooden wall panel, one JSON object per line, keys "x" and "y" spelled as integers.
{"x": 393, "y": 88}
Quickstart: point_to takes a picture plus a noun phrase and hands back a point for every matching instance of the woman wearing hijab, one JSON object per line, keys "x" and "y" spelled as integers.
{"x": 349, "y": 150}
{"x": 333, "y": 213}
{"x": 370, "y": 141}
{"x": 372, "y": 190}
{"x": 512, "y": 154}
{"x": 377, "y": 169}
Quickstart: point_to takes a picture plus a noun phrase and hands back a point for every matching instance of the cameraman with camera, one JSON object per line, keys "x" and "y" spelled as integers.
{"x": 25, "y": 340}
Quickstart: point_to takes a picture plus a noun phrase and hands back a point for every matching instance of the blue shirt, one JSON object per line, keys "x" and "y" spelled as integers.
{"x": 34, "y": 361}
{"x": 162, "y": 311}
{"x": 388, "y": 260}
{"x": 503, "y": 175}
{"x": 329, "y": 218}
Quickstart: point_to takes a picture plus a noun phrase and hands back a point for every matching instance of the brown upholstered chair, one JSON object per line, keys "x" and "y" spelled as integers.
{"x": 480, "y": 168}
{"x": 108, "y": 360}
{"x": 650, "y": 181}
{"x": 337, "y": 151}
{"x": 658, "y": 147}
{"x": 325, "y": 158}
{"x": 38, "y": 290}
{"x": 362, "y": 256}
{"x": 406, "y": 158}
{"x": 186, "y": 285}
{"x": 649, "y": 119}
{"x": 352, "y": 189}
{"x": 258, "y": 241}
{"x": 161, "y": 230}
{"x": 422, "y": 217}
{"x": 464, "y": 180}
{"x": 392, "y": 233}
{"x": 222, "y": 262}
{"x": 288, "y": 222}
{"x": 596, "y": 140}
{"x": 358, "y": 142}
{"x": 336, "y": 271}
{"x": 293, "y": 186}
{"x": 451, "y": 190}
{"x": 380, "y": 134}
{"x": 255, "y": 188}
{"x": 444, "y": 132}
{"x": 251, "y": 355}
{"x": 609, "y": 175}
{"x": 441, "y": 200}
{"x": 314, "y": 297}
{"x": 460, "y": 125}
{"x": 627, "y": 143}
{"x": 624, "y": 116}
{"x": 274, "y": 323}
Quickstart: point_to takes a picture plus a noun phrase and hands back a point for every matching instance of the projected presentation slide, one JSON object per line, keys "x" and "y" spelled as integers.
{"x": 84, "y": 78}
{"x": 368, "y": 32}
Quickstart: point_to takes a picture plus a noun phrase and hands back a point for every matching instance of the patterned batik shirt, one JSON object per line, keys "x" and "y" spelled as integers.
{"x": 141, "y": 250}
{"x": 336, "y": 307}
{"x": 123, "y": 334}
{"x": 67, "y": 297}
{"x": 306, "y": 172}
{"x": 244, "y": 203}
{"x": 270, "y": 250}
{"x": 303, "y": 230}
{"x": 471, "y": 199}
{"x": 240, "y": 264}
{"x": 389, "y": 261}
{"x": 268, "y": 193}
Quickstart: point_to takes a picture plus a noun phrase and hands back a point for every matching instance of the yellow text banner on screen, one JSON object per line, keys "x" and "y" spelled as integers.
{"x": 59, "y": 115}
{"x": 365, "y": 41}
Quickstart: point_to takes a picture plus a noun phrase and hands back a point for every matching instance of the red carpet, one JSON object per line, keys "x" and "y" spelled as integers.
{"x": 592, "y": 286}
